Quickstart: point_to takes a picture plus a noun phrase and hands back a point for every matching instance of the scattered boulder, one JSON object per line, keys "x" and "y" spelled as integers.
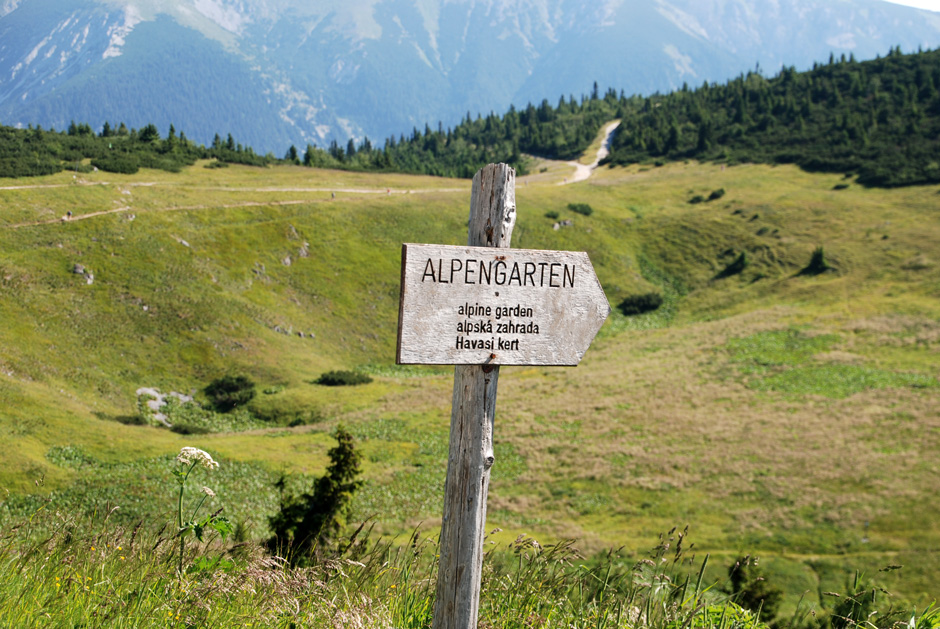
{"x": 289, "y": 331}
{"x": 79, "y": 269}
{"x": 150, "y": 401}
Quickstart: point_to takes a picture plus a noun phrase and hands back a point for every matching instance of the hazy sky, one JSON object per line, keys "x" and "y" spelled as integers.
{"x": 932, "y": 5}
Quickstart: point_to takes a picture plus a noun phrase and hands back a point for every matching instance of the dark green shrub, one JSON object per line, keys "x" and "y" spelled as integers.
{"x": 716, "y": 194}
{"x": 228, "y": 392}
{"x": 840, "y": 186}
{"x": 28, "y": 166}
{"x": 581, "y": 208}
{"x": 739, "y": 264}
{"x": 817, "y": 263}
{"x": 158, "y": 162}
{"x": 858, "y": 604}
{"x": 188, "y": 429}
{"x": 306, "y": 525}
{"x": 751, "y": 590}
{"x": 131, "y": 420}
{"x": 121, "y": 164}
{"x": 638, "y": 304}
{"x": 697, "y": 199}
{"x": 343, "y": 378}
{"x": 285, "y": 410}
{"x": 552, "y": 214}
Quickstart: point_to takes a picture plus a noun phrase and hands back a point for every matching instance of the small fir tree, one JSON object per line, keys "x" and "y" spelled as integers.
{"x": 305, "y": 527}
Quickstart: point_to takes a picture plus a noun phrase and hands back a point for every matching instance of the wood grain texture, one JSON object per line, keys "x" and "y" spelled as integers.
{"x": 457, "y": 602}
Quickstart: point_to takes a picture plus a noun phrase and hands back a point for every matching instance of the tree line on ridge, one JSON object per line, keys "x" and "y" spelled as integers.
{"x": 877, "y": 119}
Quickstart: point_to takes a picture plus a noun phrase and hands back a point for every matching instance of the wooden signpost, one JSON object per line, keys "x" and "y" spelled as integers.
{"x": 479, "y": 307}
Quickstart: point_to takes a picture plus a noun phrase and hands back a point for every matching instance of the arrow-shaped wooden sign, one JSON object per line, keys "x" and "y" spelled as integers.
{"x": 486, "y": 306}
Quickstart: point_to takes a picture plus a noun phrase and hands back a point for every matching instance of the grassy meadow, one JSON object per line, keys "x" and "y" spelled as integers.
{"x": 794, "y": 417}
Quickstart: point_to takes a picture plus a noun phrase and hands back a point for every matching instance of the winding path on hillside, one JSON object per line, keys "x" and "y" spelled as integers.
{"x": 583, "y": 171}
{"x": 244, "y": 204}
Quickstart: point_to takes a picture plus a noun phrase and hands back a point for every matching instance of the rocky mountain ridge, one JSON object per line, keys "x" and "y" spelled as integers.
{"x": 280, "y": 72}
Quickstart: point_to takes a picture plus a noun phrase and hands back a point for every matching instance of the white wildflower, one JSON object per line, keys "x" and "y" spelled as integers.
{"x": 188, "y": 456}
{"x": 208, "y": 492}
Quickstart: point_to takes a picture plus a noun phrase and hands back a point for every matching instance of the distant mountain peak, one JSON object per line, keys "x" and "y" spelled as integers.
{"x": 280, "y": 72}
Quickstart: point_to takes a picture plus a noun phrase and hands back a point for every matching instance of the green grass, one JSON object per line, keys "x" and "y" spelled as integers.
{"x": 774, "y": 413}
{"x": 779, "y": 347}
{"x": 839, "y": 381}
{"x": 92, "y": 571}
{"x": 785, "y": 361}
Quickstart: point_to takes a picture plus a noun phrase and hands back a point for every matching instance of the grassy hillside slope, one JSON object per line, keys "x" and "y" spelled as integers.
{"x": 790, "y": 416}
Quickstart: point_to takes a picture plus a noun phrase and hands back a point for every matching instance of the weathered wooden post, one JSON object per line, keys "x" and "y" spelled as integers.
{"x": 492, "y": 217}
{"x": 479, "y": 307}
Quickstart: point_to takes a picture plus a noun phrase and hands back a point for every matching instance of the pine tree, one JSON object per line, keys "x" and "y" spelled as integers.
{"x": 292, "y": 156}
{"x": 306, "y": 526}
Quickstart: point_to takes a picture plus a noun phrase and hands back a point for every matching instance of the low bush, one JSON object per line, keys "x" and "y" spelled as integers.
{"x": 739, "y": 264}
{"x": 716, "y": 194}
{"x": 817, "y": 263}
{"x": 639, "y": 304}
{"x": 581, "y": 208}
{"x": 121, "y": 164}
{"x": 697, "y": 199}
{"x": 28, "y": 166}
{"x": 343, "y": 378}
{"x": 552, "y": 214}
{"x": 132, "y": 420}
{"x": 751, "y": 590}
{"x": 229, "y": 392}
{"x": 189, "y": 429}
